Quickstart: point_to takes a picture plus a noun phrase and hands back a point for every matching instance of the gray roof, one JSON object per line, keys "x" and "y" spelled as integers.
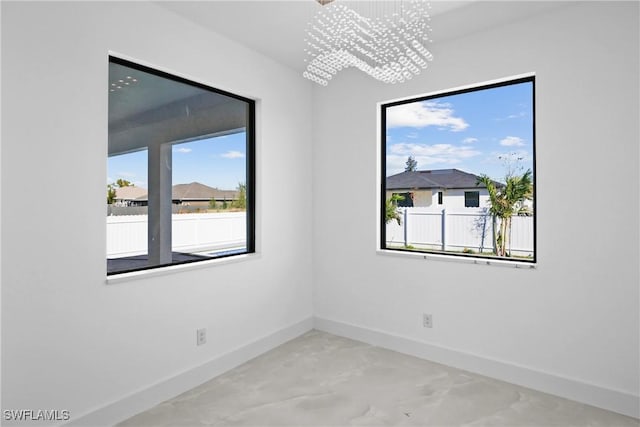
{"x": 434, "y": 179}
{"x": 197, "y": 191}
{"x": 130, "y": 193}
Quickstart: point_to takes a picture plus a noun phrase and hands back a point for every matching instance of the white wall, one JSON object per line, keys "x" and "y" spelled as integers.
{"x": 70, "y": 341}
{"x": 577, "y": 315}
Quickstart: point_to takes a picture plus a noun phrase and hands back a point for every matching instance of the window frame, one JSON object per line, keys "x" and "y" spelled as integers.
{"x": 250, "y": 161}
{"x": 381, "y": 162}
{"x": 475, "y": 199}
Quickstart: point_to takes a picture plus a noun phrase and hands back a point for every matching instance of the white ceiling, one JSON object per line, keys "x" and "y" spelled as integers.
{"x": 276, "y": 28}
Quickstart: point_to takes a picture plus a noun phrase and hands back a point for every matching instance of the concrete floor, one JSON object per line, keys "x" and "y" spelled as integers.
{"x": 320, "y": 379}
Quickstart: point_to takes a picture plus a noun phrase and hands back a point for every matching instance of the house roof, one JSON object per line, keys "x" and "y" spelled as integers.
{"x": 194, "y": 191}
{"x": 198, "y": 191}
{"x": 130, "y": 193}
{"x": 431, "y": 179}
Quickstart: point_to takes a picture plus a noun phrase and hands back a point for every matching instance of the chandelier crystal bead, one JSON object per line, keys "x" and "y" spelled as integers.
{"x": 389, "y": 48}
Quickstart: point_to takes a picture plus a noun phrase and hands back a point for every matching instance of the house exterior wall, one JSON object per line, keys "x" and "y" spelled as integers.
{"x": 421, "y": 198}
{"x": 451, "y": 199}
{"x": 454, "y": 199}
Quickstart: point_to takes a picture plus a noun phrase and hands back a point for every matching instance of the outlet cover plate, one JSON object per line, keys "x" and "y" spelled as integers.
{"x": 427, "y": 320}
{"x": 201, "y": 336}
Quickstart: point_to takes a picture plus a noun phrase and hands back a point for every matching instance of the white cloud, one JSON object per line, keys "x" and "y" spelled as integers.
{"x": 183, "y": 150}
{"x": 423, "y": 114}
{"x": 233, "y": 155}
{"x": 412, "y": 135}
{"x": 512, "y": 141}
{"x": 439, "y": 150}
{"x": 469, "y": 140}
{"x": 428, "y": 156}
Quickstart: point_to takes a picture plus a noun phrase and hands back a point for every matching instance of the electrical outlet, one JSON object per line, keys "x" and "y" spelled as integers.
{"x": 201, "y": 336}
{"x": 427, "y": 320}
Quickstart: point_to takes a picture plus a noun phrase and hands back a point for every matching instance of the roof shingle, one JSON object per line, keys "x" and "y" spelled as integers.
{"x": 431, "y": 179}
{"x": 195, "y": 191}
{"x": 198, "y": 191}
{"x": 130, "y": 193}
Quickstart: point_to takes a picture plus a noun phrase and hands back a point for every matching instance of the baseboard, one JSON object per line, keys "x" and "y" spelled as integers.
{"x": 115, "y": 412}
{"x": 605, "y": 398}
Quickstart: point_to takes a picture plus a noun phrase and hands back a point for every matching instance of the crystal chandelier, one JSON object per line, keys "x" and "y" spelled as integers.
{"x": 389, "y": 45}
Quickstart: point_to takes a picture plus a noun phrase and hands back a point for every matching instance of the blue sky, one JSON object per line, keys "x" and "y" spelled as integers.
{"x": 217, "y": 162}
{"x": 476, "y": 132}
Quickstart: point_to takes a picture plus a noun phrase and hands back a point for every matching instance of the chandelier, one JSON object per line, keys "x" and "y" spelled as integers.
{"x": 387, "y": 41}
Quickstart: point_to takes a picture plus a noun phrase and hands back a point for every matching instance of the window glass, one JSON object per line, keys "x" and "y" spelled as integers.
{"x": 180, "y": 170}
{"x": 471, "y": 199}
{"x": 475, "y": 149}
{"x": 404, "y": 200}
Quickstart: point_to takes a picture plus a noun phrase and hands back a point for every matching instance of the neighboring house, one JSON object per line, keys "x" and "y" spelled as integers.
{"x": 196, "y": 194}
{"x": 193, "y": 194}
{"x": 129, "y": 196}
{"x": 448, "y": 188}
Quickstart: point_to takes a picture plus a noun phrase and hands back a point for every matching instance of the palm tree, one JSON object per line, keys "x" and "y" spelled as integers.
{"x": 506, "y": 202}
{"x": 495, "y": 210}
{"x": 391, "y": 209}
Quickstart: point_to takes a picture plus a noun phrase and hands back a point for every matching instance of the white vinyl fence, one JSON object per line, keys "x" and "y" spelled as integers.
{"x": 456, "y": 230}
{"x": 127, "y": 234}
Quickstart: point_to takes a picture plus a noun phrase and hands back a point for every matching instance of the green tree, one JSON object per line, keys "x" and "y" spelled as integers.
{"x": 212, "y": 203}
{"x": 111, "y": 189}
{"x": 506, "y": 202}
{"x": 111, "y": 194}
{"x": 391, "y": 210}
{"x": 124, "y": 183}
{"x": 412, "y": 164}
{"x": 241, "y": 202}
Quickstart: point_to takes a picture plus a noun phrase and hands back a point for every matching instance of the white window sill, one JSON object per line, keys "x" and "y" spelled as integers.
{"x": 452, "y": 258}
{"x": 170, "y": 269}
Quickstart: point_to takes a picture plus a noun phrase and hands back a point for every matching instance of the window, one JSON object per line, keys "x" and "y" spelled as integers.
{"x": 180, "y": 170}
{"x": 477, "y": 145}
{"x": 471, "y": 199}
{"x": 404, "y": 200}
